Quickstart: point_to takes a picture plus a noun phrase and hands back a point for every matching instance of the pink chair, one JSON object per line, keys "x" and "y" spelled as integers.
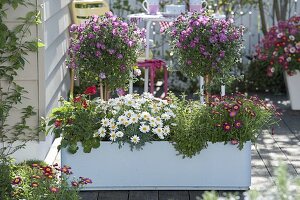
{"x": 152, "y": 65}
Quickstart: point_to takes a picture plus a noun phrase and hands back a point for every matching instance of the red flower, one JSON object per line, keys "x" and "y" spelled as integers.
{"x": 236, "y": 107}
{"x": 47, "y": 171}
{"x": 54, "y": 189}
{"x": 75, "y": 183}
{"x": 232, "y": 113}
{"x": 77, "y": 99}
{"x": 91, "y": 90}
{"x": 58, "y": 123}
{"x": 16, "y": 181}
{"x": 34, "y": 165}
{"x": 84, "y": 104}
{"x": 226, "y": 127}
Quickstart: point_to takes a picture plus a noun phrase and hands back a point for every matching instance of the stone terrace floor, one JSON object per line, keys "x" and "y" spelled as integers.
{"x": 283, "y": 146}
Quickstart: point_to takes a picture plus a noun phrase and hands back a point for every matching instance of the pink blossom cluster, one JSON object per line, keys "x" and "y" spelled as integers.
{"x": 280, "y": 47}
{"x": 205, "y": 44}
{"x": 106, "y": 45}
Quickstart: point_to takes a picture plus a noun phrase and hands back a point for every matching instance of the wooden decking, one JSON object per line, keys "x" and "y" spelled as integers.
{"x": 283, "y": 146}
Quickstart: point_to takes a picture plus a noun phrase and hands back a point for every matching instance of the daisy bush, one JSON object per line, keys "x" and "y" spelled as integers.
{"x": 280, "y": 47}
{"x": 205, "y": 45}
{"x": 136, "y": 119}
{"x": 40, "y": 181}
{"x": 107, "y": 47}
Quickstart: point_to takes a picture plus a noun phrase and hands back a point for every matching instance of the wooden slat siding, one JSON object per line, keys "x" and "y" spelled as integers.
{"x": 51, "y": 7}
{"x": 56, "y": 25}
{"x": 90, "y": 195}
{"x": 145, "y": 195}
{"x": 173, "y": 195}
{"x": 113, "y": 195}
{"x": 55, "y": 53}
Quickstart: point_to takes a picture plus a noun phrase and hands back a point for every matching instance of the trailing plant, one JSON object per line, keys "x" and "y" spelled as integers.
{"x": 14, "y": 46}
{"x": 38, "y": 181}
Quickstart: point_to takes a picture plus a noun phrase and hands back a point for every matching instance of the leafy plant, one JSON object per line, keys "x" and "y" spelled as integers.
{"x": 76, "y": 121}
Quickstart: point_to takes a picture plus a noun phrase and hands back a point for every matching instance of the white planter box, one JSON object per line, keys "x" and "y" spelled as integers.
{"x": 158, "y": 167}
{"x": 293, "y": 83}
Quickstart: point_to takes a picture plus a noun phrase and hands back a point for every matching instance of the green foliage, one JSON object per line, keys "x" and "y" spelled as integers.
{"x": 14, "y": 46}
{"x": 76, "y": 121}
{"x": 259, "y": 81}
{"x": 5, "y": 183}
{"x": 236, "y": 119}
{"x": 188, "y": 136}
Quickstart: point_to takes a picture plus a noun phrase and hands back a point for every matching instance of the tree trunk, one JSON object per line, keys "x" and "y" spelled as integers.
{"x": 276, "y": 10}
{"x": 207, "y": 81}
{"x": 262, "y": 17}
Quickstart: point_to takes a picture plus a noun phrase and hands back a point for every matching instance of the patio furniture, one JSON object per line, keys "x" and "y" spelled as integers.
{"x": 153, "y": 65}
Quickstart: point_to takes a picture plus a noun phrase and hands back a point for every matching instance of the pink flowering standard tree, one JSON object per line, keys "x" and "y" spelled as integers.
{"x": 106, "y": 46}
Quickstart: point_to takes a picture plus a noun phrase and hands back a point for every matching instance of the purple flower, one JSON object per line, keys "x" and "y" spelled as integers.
{"x": 98, "y": 54}
{"x": 102, "y": 75}
{"x": 189, "y": 62}
{"x": 119, "y": 56}
{"x": 130, "y": 43}
{"x": 123, "y": 68}
{"x": 137, "y": 72}
{"x": 232, "y": 113}
{"x": 111, "y": 51}
{"x": 226, "y": 127}
{"x": 238, "y": 124}
{"x": 223, "y": 37}
{"x": 120, "y": 92}
{"x": 73, "y": 28}
{"x": 222, "y": 54}
{"x": 109, "y": 14}
{"x": 91, "y": 36}
{"x": 96, "y": 28}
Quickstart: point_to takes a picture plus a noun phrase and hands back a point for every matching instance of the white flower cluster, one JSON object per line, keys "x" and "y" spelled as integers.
{"x": 133, "y": 117}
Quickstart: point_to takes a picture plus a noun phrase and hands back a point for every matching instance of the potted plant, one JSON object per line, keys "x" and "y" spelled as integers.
{"x": 280, "y": 47}
{"x": 205, "y": 46}
{"x": 106, "y": 47}
{"x": 128, "y": 142}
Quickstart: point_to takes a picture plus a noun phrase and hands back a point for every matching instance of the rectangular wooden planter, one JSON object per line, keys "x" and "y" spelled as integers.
{"x": 158, "y": 167}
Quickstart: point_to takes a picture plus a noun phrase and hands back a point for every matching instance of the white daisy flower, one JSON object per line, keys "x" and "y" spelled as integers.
{"x": 121, "y": 119}
{"x": 173, "y": 124}
{"x": 144, "y": 128}
{"x": 126, "y": 122}
{"x": 113, "y": 127}
{"x": 292, "y": 49}
{"x": 101, "y": 132}
{"x": 165, "y": 116}
{"x": 120, "y": 134}
{"x": 145, "y": 115}
{"x": 158, "y": 130}
{"x": 166, "y": 130}
{"x": 161, "y": 136}
{"x": 134, "y": 119}
{"x": 128, "y": 113}
{"x": 129, "y": 102}
{"x": 135, "y": 139}
{"x": 288, "y": 59}
{"x": 105, "y": 122}
{"x": 153, "y": 124}
{"x": 291, "y": 37}
{"x": 113, "y": 136}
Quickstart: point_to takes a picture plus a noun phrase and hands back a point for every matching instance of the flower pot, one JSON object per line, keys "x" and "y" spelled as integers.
{"x": 159, "y": 167}
{"x": 293, "y": 83}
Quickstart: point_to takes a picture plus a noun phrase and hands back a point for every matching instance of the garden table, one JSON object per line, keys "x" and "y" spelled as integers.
{"x": 148, "y": 19}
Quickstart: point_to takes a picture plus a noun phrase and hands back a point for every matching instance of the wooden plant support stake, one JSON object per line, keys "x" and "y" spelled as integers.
{"x": 72, "y": 83}
{"x": 207, "y": 83}
{"x": 101, "y": 90}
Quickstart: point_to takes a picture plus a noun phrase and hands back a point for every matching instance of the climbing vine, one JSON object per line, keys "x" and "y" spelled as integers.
{"x": 14, "y": 47}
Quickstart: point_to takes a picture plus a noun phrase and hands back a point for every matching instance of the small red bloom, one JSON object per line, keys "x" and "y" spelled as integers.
{"x": 36, "y": 177}
{"x": 47, "y": 171}
{"x": 84, "y": 104}
{"x": 54, "y": 189}
{"x": 236, "y": 107}
{"x": 75, "y": 183}
{"x": 226, "y": 127}
{"x": 34, "y": 165}
{"x": 16, "y": 181}
{"x": 90, "y": 90}
{"x": 77, "y": 99}
{"x": 58, "y": 123}
{"x": 232, "y": 113}
{"x": 239, "y": 102}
